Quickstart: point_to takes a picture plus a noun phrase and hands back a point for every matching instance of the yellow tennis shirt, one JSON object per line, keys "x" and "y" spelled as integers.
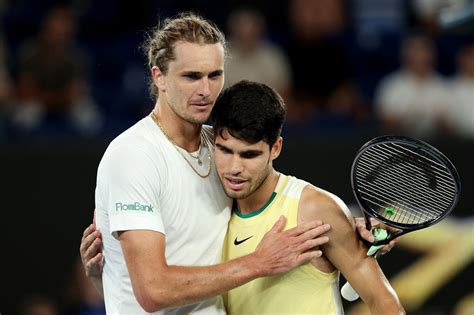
{"x": 304, "y": 290}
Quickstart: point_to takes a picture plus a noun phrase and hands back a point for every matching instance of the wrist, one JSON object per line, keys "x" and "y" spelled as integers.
{"x": 254, "y": 266}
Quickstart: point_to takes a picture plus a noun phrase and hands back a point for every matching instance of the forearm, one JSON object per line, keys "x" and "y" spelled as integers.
{"x": 157, "y": 285}
{"x": 379, "y": 295}
{"x": 177, "y": 285}
{"x": 385, "y": 304}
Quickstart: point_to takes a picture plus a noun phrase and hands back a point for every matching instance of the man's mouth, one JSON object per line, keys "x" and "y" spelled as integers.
{"x": 201, "y": 104}
{"x": 235, "y": 183}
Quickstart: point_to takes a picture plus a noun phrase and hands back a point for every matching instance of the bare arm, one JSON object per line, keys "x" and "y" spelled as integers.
{"x": 347, "y": 253}
{"x": 157, "y": 285}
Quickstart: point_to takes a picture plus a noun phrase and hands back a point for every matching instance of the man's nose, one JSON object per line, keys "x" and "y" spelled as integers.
{"x": 205, "y": 88}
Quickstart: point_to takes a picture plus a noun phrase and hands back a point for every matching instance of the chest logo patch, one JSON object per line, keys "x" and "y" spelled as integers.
{"x": 237, "y": 242}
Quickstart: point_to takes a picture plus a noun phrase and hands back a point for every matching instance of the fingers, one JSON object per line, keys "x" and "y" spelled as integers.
{"x": 94, "y": 261}
{"x": 93, "y": 267}
{"x": 93, "y": 249}
{"x": 90, "y": 229}
{"x": 375, "y": 223}
{"x": 307, "y": 256}
{"x": 311, "y": 239}
{"x": 389, "y": 246}
{"x": 91, "y": 241}
{"x": 363, "y": 232}
{"x": 282, "y": 251}
{"x": 279, "y": 225}
{"x": 304, "y": 227}
{"x": 312, "y": 243}
{"x": 87, "y": 238}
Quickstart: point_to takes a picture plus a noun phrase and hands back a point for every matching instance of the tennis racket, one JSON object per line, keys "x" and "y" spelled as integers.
{"x": 404, "y": 183}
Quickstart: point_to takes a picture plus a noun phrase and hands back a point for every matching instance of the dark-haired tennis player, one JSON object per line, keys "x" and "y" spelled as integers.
{"x": 248, "y": 119}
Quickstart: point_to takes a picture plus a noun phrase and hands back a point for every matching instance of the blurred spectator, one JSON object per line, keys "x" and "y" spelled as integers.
{"x": 82, "y": 298}
{"x": 374, "y": 19}
{"x": 412, "y": 100}
{"x": 38, "y": 305}
{"x": 251, "y": 56}
{"x": 318, "y": 61}
{"x": 325, "y": 94}
{"x": 427, "y": 12}
{"x": 53, "y": 96}
{"x": 460, "y": 113}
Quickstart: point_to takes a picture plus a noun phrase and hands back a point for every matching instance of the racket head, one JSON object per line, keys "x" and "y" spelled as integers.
{"x": 404, "y": 183}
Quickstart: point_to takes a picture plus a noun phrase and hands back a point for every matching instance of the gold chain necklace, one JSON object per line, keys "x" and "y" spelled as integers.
{"x": 178, "y": 148}
{"x": 198, "y": 154}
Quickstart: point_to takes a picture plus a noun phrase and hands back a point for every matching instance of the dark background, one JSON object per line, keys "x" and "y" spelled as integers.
{"x": 49, "y": 179}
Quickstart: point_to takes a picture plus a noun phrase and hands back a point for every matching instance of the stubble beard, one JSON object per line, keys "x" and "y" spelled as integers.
{"x": 246, "y": 193}
{"x": 188, "y": 117}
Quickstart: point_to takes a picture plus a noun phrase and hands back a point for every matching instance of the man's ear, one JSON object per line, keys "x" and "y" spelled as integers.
{"x": 158, "y": 79}
{"x": 276, "y": 148}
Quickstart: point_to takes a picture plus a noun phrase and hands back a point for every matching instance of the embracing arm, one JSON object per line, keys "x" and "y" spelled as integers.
{"x": 91, "y": 255}
{"x": 157, "y": 285}
{"x": 347, "y": 253}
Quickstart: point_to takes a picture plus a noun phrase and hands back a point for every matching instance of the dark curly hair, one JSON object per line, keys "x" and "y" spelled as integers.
{"x": 249, "y": 111}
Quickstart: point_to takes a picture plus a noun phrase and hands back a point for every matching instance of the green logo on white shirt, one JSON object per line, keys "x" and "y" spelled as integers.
{"x": 136, "y": 206}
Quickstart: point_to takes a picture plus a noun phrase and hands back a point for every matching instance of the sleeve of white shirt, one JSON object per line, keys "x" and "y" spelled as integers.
{"x": 130, "y": 186}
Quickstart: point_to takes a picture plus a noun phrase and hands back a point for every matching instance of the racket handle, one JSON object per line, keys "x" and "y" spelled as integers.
{"x": 348, "y": 293}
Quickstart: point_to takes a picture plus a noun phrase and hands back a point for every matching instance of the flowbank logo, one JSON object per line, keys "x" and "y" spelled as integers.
{"x": 136, "y": 206}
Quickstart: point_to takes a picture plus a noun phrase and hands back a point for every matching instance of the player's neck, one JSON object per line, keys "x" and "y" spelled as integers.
{"x": 261, "y": 196}
{"x": 185, "y": 134}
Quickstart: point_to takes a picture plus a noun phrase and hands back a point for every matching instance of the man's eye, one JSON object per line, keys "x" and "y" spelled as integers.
{"x": 249, "y": 155}
{"x": 215, "y": 75}
{"x": 192, "y": 76}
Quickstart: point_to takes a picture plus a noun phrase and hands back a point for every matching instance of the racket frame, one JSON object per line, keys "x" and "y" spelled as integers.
{"x": 420, "y": 146}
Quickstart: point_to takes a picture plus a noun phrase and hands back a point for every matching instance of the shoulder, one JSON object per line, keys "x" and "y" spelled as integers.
{"x": 317, "y": 203}
{"x": 133, "y": 149}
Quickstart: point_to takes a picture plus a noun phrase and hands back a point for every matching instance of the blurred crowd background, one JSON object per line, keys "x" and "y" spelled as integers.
{"x": 72, "y": 70}
{"x": 73, "y": 76}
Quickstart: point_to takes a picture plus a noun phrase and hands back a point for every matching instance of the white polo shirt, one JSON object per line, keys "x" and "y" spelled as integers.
{"x": 144, "y": 183}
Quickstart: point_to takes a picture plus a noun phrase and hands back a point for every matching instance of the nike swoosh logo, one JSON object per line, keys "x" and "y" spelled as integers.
{"x": 236, "y": 242}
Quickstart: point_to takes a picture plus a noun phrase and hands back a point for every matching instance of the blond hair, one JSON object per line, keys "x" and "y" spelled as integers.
{"x": 187, "y": 27}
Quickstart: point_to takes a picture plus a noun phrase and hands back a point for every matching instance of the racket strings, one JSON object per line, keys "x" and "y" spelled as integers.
{"x": 403, "y": 185}
{"x": 416, "y": 185}
{"x": 404, "y": 212}
{"x": 442, "y": 175}
{"x": 430, "y": 168}
{"x": 399, "y": 201}
{"x": 406, "y": 158}
{"x": 435, "y": 169}
{"x": 401, "y": 215}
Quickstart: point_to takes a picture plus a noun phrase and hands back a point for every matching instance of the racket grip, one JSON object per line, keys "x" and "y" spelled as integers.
{"x": 348, "y": 293}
